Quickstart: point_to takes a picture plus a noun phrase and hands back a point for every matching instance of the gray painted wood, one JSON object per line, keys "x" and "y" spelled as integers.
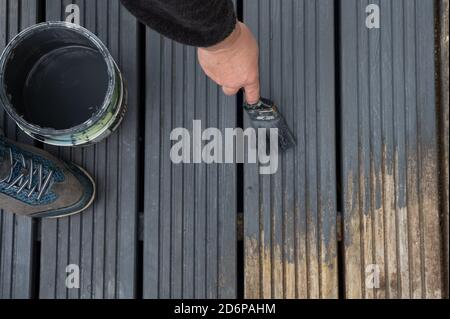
{"x": 103, "y": 240}
{"x": 290, "y": 217}
{"x": 16, "y": 233}
{"x": 190, "y": 209}
{"x": 389, "y": 151}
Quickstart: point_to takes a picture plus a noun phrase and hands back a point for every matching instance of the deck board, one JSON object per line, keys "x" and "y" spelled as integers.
{"x": 16, "y": 233}
{"x": 190, "y": 209}
{"x": 389, "y": 151}
{"x": 444, "y": 130}
{"x": 290, "y": 217}
{"x": 103, "y": 240}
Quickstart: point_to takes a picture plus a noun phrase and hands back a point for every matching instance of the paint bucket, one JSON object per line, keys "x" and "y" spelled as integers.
{"x": 61, "y": 86}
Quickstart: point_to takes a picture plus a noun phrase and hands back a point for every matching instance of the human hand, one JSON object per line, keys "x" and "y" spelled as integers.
{"x": 234, "y": 63}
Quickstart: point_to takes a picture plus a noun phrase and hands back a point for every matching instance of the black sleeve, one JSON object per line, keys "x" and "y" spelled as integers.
{"x": 199, "y": 23}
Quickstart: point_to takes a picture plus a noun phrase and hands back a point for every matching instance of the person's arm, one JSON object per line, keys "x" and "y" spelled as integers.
{"x": 199, "y": 23}
{"x": 227, "y": 50}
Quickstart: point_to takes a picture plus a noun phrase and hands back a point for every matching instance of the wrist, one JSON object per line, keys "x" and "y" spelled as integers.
{"x": 229, "y": 41}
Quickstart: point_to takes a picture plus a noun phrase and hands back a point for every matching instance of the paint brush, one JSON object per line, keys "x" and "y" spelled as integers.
{"x": 265, "y": 114}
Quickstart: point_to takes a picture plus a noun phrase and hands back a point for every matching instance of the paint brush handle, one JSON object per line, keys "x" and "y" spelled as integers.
{"x": 264, "y": 110}
{"x": 265, "y": 114}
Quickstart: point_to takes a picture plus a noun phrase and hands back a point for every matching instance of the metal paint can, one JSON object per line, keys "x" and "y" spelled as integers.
{"x": 61, "y": 86}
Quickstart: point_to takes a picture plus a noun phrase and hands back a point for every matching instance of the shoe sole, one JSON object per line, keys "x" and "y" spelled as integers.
{"x": 91, "y": 201}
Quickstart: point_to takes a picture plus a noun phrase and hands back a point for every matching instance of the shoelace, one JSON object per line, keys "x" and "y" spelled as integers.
{"x": 31, "y": 179}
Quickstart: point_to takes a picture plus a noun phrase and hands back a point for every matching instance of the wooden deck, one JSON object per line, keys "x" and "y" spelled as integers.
{"x": 365, "y": 190}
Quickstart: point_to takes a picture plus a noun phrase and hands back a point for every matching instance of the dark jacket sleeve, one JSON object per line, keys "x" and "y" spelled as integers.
{"x": 199, "y": 23}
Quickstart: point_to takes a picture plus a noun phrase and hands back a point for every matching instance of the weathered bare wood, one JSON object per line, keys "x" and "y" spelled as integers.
{"x": 444, "y": 132}
{"x": 389, "y": 152}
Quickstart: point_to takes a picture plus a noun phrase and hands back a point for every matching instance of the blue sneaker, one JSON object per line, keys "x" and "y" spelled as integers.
{"x": 36, "y": 184}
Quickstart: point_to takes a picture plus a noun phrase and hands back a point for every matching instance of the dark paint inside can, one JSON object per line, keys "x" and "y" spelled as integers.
{"x": 65, "y": 88}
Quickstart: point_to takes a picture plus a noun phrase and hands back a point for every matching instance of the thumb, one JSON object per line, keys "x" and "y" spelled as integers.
{"x": 252, "y": 94}
{"x": 230, "y": 91}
